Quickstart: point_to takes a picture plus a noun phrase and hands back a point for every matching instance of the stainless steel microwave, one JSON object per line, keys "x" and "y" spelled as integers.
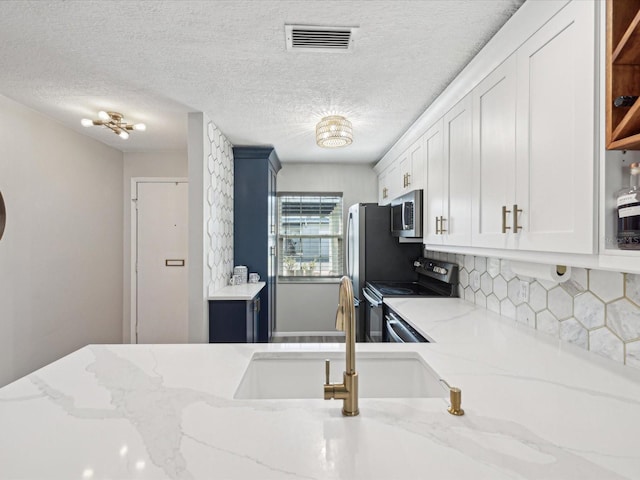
{"x": 406, "y": 215}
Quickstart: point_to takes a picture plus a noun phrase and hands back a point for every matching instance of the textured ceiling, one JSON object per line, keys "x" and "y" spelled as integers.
{"x": 154, "y": 61}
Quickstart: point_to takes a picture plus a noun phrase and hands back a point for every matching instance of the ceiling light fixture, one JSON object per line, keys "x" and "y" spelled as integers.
{"x": 114, "y": 122}
{"x": 334, "y": 131}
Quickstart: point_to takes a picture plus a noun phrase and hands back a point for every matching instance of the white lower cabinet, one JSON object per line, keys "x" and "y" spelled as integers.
{"x": 448, "y": 162}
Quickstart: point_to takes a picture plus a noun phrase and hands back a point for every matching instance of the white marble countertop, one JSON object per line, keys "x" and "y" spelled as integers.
{"x": 535, "y": 409}
{"x": 246, "y": 291}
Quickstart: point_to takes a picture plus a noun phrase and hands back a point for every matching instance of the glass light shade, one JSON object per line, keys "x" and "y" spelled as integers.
{"x": 86, "y": 122}
{"x": 124, "y": 134}
{"x": 334, "y": 131}
{"x": 140, "y": 127}
{"x": 102, "y": 115}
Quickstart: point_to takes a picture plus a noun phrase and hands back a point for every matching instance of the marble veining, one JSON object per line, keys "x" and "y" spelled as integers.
{"x": 596, "y": 299}
{"x": 168, "y": 412}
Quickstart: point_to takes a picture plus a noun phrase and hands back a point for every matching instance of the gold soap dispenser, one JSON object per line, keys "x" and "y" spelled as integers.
{"x": 455, "y": 398}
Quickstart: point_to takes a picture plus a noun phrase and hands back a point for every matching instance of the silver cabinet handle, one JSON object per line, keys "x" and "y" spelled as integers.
{"x": 516, "y": 211}
{"x": 504, "y": 219}
{"x": 442, "y": 220}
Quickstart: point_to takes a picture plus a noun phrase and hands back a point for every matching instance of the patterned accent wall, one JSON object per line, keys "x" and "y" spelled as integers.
{"x": 595, "y": 309}
{"x": 219, "y": 205}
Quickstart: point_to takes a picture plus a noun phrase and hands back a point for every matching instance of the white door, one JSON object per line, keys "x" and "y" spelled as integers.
{"x": 456, "y": 221}
{"x": 434, "y": 181}
{"x": 494, "y": 156}
{"x": 161, "y": 247}
{"x": 555, "y": 134}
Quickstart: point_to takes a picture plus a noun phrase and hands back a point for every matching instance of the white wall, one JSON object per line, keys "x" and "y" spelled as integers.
{"x": 210, "y": 157}
{"x": 151, "y": 164}
{"x": 61, "y": 255}
{"x": 312, "y": 307}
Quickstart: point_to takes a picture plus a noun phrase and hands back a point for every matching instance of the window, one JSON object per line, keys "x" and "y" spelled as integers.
{"x": 310, "y": 235}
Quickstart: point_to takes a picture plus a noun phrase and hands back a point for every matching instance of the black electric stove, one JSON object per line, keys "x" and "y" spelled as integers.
{"x": 435, "y": 279}
{"x": 393, "y": 289}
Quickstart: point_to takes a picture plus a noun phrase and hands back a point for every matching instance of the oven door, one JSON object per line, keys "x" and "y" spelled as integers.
{"x": 374, "y": 316}
{"x": 399, "y": 331}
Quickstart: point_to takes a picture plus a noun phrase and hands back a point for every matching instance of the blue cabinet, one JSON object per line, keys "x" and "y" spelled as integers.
{"x": 255, "y": 224}
{"x": 234, "y": 321}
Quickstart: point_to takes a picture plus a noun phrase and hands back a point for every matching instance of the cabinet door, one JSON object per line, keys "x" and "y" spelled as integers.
{"x": 415, "y": 170}
{"x": 383, "y": 188}
{"x": 404, "y": 169}
{"x": 434, "y": 173}
{"x": 494, "y": 152}
{"x": 389, "y": 184}
{"x": 394, "y": 181}
{"x": 411, "y": 167}
{"x": 456, "y": 221}
{"x": 555, "y": 133}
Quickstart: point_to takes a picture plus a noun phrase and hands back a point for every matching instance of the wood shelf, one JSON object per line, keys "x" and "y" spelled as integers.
{"x": 628, "y": 50}
{"x": 623, "y": 73}
{"x": 627, "y": 143}
{"x": 629, "y": 125}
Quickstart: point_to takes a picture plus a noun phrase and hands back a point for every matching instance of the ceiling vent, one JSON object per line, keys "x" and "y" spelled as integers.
{"x": 312, "y": 38}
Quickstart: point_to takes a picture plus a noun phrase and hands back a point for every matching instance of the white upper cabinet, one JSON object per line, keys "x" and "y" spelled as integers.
{"x": 513, "y": 164}
{"x": 455, "y": 223}
{"x": 411, "y": 165}
{"x": 434, "y": 181}
{"x": 389, "y": 184}
{"x": 494, "y": 157}
{"x": 555, "y": 144}
{"x": 403, "y": 174}
{"x": 447, "y": 217}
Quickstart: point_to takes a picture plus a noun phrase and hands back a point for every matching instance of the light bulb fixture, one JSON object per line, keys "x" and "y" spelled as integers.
{"x": 114, "y": 122}
{"x": 334, "y": 131}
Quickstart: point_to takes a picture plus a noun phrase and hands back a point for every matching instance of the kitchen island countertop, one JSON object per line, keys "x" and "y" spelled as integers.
{"x": 536, "y": 408}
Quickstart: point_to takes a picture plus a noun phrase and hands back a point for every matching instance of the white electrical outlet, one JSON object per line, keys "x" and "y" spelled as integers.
{"x": 524, "y": 291}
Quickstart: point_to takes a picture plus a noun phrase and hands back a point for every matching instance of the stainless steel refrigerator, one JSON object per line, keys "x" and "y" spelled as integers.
{"x": 373, "y": 254}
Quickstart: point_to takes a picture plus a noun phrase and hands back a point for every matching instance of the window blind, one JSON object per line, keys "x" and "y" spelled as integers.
{"x": 310, "y": 242}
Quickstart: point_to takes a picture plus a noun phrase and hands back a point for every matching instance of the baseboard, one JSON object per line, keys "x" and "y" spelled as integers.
{"x": 330, "y": 333}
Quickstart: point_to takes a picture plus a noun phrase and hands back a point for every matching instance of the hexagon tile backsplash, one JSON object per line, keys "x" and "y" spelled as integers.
{"x": 595, "y": 309}
{"x": 219, "y": 206}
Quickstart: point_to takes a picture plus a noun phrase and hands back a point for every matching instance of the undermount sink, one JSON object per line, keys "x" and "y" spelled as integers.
{"x": 293, "y": 375}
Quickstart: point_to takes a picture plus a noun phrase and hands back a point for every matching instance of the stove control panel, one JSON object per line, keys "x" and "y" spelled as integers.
{"x": 443, "y": 271}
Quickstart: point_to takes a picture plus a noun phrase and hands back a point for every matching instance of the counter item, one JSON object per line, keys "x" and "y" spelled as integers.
{"x": 625, "y": 101}
{"x": 406, "y": 215}
{"x": 242, "y": 272}
{"x": 628, "y": 205}
{"x": 254, "y": 278}
{"x": 550, "y": 273}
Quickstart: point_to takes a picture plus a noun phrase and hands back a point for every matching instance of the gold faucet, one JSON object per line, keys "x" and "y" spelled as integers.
{"x": 347, "y": 391}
